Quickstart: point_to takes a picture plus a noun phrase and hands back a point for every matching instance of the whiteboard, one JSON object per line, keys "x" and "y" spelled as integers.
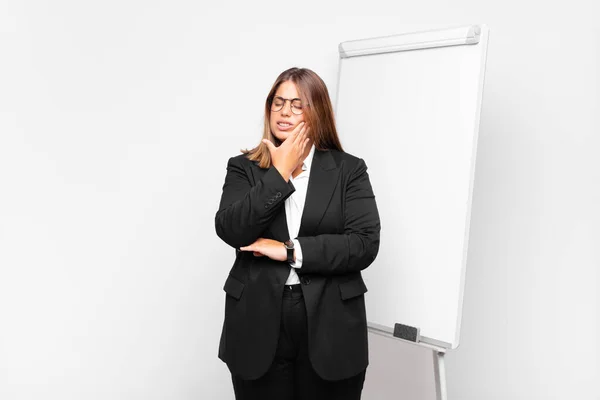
{"x": 409, "y": 106}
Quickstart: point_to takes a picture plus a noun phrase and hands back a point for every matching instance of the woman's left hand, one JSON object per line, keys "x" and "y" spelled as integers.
{"x": 273, "y": 249}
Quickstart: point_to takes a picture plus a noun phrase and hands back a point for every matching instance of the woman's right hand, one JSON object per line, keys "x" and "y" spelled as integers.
{"x": 290, "y": 153}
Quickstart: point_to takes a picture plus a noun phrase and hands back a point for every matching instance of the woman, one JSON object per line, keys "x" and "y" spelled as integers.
{"x": 302, "y": 216}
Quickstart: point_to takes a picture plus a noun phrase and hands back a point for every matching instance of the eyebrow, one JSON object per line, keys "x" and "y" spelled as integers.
{"x": 295, "y": 98}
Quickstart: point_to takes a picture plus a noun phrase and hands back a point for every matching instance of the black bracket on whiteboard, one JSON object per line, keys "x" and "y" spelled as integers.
{"x": 406, "y": 332}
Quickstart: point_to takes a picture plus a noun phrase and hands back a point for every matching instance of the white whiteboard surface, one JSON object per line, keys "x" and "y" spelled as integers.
{"x": 413, "y": 116}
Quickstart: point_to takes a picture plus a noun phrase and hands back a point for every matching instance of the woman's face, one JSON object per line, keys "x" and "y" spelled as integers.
{"x": 284, "y": 121}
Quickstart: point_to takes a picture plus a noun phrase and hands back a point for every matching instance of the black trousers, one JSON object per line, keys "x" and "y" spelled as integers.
{"x": 291, "y": 376}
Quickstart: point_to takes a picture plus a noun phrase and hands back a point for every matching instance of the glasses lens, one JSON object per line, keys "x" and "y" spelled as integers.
{"x": 277, "y": 104}
{"x": 297, "y": 107}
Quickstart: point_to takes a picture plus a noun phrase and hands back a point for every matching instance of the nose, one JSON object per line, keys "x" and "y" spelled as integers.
{"x": 287, "y": 109}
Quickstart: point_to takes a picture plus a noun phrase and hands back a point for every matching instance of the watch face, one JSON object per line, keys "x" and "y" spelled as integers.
{"x": 289, "y": 244}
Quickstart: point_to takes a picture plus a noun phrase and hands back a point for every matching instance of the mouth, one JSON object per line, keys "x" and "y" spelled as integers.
{"x": 284, "y": 126}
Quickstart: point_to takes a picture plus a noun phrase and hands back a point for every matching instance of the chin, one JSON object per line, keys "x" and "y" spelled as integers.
{"x": 280, "y": 136}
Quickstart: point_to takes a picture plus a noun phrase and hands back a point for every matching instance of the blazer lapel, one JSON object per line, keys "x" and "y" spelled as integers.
{"x": 321, "y": 185}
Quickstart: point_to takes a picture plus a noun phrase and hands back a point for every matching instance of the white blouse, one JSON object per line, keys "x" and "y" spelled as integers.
{"x": 294, "y": 206}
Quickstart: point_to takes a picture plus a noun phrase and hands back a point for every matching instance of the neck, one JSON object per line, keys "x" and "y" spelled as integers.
{"x": 307, "y": 151}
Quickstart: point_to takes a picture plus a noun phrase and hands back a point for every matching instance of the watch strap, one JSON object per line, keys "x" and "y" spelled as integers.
{"x": 289, "y": 245}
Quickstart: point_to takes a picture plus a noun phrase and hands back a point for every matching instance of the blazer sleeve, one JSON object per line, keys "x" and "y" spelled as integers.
{"x": 357, "y": 247}
{"x": 245, "y": 210}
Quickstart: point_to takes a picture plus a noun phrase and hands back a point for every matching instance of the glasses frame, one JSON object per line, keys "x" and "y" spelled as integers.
{"x": 284, "y": 102}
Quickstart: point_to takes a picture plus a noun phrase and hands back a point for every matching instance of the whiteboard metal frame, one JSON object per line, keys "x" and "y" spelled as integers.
{"x": 385, "y": 331}
{"x": 411, "y": 41}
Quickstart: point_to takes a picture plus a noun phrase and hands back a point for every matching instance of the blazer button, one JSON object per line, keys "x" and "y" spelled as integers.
{"x": 305, "y": 280}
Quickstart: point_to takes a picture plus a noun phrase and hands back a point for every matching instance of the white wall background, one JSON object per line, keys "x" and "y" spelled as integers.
{"x": 116, "y": 122}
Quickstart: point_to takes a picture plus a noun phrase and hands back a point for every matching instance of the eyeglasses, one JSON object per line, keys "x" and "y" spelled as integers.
{"x": 279, "y": 102}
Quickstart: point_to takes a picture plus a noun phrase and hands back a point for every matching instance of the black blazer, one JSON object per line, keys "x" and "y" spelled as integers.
{"x": 339, "y": 236}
